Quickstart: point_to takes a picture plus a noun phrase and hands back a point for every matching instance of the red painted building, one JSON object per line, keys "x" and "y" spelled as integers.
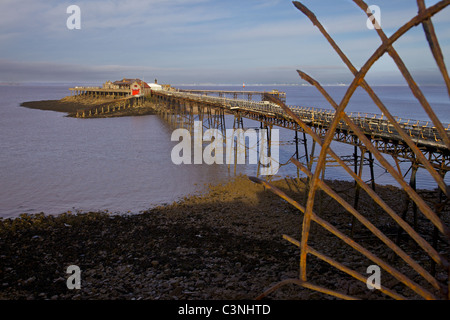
{"x": 137, "y": 86}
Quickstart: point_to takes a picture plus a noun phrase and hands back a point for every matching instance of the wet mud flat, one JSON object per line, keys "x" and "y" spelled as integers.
{"x": 225, "y": 243}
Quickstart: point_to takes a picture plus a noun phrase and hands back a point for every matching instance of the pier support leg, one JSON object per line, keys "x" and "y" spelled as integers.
{"x": 237, "y": 124}
{"x": 357, "y": 187}
{"x": 308, "y": 180}
{"x": 260, "y": 143}
{"x": 267, "y": 143}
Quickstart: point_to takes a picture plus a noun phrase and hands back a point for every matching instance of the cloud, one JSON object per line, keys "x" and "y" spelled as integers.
{"x": 47, "y": 20}
{"x": 49, "y": 71}
{"x": 45, "y": 71}
{"x": 191, "y": 40}
{"x": 266, "y": 3}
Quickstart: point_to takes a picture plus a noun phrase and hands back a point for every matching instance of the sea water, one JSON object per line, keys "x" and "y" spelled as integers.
{"x": 52, "y": 163}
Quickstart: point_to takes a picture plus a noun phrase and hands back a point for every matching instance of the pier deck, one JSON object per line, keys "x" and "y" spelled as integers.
{"x": 375, "y": 126}
{"x": 236, "y": 94}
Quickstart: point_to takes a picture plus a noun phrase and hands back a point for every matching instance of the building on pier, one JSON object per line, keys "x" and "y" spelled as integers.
{"x": 136, "y": 86}
{"x": 109, "y": 85}
{"x": 117, "y": 89}
{"x": 155, "y": 86}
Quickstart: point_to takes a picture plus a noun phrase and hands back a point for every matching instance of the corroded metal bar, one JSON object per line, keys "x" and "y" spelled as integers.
{"x": 353, "y": 273}
{"x": 322, "y": 126}
{"x": 343, "y": 268}
{"x": 426, "y": 210}
{"x": 371, "y": 93}
{"x": 419, "y": 269}
{"x": 305, "y": 285}
{"x": 422, "y": 243}
{"x": 395, "y": 273}
{"x": 316, "y": 182}
{"x": 327, "y": 226}
{"x": 407, "y": 75}
{"x": 434, "y": 45}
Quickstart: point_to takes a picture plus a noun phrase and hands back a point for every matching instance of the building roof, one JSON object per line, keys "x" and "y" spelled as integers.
{"x": 126, "y": 81}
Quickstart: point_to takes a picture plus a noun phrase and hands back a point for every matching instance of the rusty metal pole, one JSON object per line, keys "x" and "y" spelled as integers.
{"x": 439, "y": 207}
{"x": 320, "y": 192}
{"x": 413, "y": 184}
{"x": 308, "y": 179}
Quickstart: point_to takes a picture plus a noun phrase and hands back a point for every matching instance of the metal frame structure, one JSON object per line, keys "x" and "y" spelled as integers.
{"x": 423, "y": 282}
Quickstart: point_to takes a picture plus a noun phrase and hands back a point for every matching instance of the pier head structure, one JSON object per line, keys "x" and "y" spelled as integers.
{"x": 117, "y": 89}
{"x": 116, "y": 96}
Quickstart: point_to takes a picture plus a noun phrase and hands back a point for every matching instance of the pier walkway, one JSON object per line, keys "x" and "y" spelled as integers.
{"x": 375, "y": 126}
{"x": 236, "y": 94}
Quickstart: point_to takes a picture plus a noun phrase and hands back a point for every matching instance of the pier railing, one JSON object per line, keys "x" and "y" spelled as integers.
{"x": 423, "y": 132}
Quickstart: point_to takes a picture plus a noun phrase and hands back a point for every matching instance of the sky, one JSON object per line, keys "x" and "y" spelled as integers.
{"x": 207, "y": 41}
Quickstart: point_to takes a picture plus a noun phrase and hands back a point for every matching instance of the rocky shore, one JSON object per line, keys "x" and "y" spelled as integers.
{"x": 72, "y": 104}
{"x": 224, "y": 244}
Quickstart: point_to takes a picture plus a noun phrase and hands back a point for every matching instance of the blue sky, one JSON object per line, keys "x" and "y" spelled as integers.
{"x": 206, "y": 41}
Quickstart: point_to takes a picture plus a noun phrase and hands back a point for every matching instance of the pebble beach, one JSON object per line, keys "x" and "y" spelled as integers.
{"x": 223, "y": 244}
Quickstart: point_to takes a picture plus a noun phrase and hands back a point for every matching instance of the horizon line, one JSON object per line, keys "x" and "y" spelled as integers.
{"x": 206, "y": 84}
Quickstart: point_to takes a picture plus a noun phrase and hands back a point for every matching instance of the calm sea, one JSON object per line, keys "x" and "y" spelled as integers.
{"x": 51, "y": 163}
